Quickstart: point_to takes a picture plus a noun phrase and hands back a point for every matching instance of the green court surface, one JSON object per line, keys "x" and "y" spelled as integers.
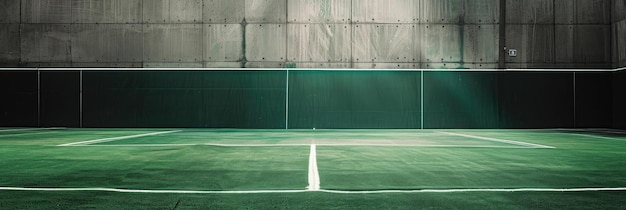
{"x": 59, "y": 168}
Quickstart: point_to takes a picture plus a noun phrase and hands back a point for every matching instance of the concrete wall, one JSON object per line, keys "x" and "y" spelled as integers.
{"x": 559, "y": 33}
{"x": 307, "y": 33}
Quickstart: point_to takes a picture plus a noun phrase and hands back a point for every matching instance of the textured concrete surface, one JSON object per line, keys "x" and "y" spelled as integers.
{"x": 312, "y": 33}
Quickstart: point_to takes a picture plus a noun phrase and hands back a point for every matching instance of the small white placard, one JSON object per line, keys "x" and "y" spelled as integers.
{"x": 512, "y": 52}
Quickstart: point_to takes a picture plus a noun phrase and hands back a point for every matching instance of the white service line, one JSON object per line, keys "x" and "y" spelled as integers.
{"x": 300, "y": 145}
{"x": 597, "y": 137}
{"x": 596, "y": 189}
{"x": 591, "y": 130}
{"x": 500, "y": 140}
{"x": 26, "y": 134}
{"x": 28, "y": 129}
{"x": 610, "y": 132}
{"x": 314, "y": 176}
{"x": 115, "y": 138}
{"x": 140, "y": 145}
{"x": 254, "y": 145}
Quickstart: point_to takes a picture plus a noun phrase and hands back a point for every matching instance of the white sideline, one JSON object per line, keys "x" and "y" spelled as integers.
{"x": 115, "y": 138}
{"x": 314, "y": 176}
{"x": 500, "y": 140}
{"x": 597, "y": 189}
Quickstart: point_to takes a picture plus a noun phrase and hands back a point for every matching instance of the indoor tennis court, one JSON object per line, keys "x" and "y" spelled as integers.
{"x": 312, "y": 104}
{"x": 186, "y": 167}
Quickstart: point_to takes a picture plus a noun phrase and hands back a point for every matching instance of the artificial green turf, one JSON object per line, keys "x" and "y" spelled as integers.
{"x": 312, "y": 200}
{"x": 268, "y": 137}
{"x": 580, "y": 159}
{"x": 194, "y": 167}
{"x": 577, "y": 161}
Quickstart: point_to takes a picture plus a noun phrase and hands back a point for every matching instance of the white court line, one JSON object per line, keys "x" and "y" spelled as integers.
{"x": 314, "y": 176}
{"x": 596, "y": 189}
{"x": 300, "y": 145}
{"x": 480, "y": 190}
{"x": 115, "y": 138}
{"x": 610, "y": 131}
{"x": 597, "y": 137}
{"x": 139, "y": 145}
{"x": 605, "y": 131}
{"x": 593, "y": 130}
{"x": 254, "y": 145}
{"x": 25, "y": 134}
{"x": 500, "y": 140}
{"x": 27, "y": 129}
{"x": 152, "y": 191}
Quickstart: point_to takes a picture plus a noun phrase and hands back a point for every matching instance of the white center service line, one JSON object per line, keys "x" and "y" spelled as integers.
{"x": 82, "y": 143}
{"x": 314, "y": 176}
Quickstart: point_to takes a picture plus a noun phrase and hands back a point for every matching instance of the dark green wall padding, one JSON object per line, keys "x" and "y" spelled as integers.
{"x": 215, "y": 99}
{"x": 536, "y": 100}
{"x": 619, "y": 99}
{"x": 60, "y": 98}
{"x": 461, "y": 100}
{"x": 594, "y": 92}
{"x": 315, "y": 99}
{"x": 18, "y": 106}
{"x": 354, "y": 99}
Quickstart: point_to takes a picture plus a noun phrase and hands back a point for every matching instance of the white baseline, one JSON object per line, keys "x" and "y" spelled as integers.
{"x": 115, "y": 138}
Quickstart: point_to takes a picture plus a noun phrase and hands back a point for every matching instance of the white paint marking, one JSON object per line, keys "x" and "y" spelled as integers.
{"x": 610, "y": 132}
{"x": 592, "y": 130}
{"x": 314, "y": 176}
{"x": 300, "y": 145}
{"x": 500, "y": 140}
{"x": 255, "y": 145}
{"x": 598, "y": 137}
{"x": 115, "y": 138}
{"x": 480, "y": 190}
{"x": 28, "y": 129}
{"x": 26, "y": 134}
{"x": 138, "y": 145}
{"x": 423, "y": 145}
{"x": 597, "y": 189}
{"x": 153, "y": 191}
